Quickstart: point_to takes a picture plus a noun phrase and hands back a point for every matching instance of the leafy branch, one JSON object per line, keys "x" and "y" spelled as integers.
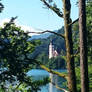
{"x": 9, "y": 23}
{"x": 46, "y": 68}
{"x": 53, "y": 8}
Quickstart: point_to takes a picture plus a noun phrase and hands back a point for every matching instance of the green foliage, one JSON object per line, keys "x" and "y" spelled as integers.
{"x": 31, "y": 85}
{"x": 41, "y": 52}
{"x": 15, "y": 49}
{"x": 76, "y": 48}
{"x": 1, "y": 6}
{"x": 89, "y": 28}
{"x": 75, "y": 26}
{"x": 56, "y": 63}
{"x": 90, "y": 78}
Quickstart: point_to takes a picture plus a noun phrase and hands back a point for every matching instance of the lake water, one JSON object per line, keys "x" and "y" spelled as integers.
{"x": 39, "y": 74}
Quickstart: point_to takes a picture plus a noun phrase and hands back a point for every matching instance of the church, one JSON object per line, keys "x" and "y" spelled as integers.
{"x": 52, "y": 51}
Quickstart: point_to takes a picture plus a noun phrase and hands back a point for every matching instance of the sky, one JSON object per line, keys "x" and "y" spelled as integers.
{"x": 32, "y": 14}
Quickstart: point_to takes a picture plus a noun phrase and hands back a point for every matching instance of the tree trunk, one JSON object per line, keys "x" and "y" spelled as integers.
{"x": 83, "y": 47}
{"x": 69, "y": 47}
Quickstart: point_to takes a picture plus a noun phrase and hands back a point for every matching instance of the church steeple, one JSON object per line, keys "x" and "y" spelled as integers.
{"x": 51, "y": 49}
{"x": 52, "y": 52}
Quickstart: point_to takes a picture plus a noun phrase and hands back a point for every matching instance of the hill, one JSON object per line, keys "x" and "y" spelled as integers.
{"x": 41, "y": 51}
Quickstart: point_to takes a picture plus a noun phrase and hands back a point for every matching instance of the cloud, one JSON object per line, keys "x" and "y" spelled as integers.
{"x": 29, "y": 29}
{"x": 23, "y": 27}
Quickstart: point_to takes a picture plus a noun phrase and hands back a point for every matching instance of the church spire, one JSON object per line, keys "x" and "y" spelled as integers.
{"x": 52, "y": 52}
{"x": 51, "y": 49}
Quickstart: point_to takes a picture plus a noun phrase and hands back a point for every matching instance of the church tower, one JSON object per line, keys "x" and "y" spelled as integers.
{"x": 51, "y": 50}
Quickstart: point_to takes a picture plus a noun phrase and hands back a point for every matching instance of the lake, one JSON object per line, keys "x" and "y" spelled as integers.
{"x": 39, "y": 74}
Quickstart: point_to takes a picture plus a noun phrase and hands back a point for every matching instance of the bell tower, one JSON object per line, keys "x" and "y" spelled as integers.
{"x": 51, "y": 50}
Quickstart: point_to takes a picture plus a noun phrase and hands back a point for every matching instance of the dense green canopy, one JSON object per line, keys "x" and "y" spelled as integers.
{"x": 15, "y": 48}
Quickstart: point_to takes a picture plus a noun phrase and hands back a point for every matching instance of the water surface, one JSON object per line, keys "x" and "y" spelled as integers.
{"x": 39, "y": 74}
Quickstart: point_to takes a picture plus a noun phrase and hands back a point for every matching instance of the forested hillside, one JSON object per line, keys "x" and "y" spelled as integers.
{"x": 41, "y": 52}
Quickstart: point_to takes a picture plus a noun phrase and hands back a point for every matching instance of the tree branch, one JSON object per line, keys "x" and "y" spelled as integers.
{"x": 1, "y": 6}
{"x": 56, "y": 10}
{"x": 49, "y": 32}
{"x": 74, "y": 21}
{"x": 8, "y": 24}
{"x": 53, "y": 72}
{"x": 18, "y": 85}
{"x": 5, "y": 28}
{"x": 76, "y": 53}
{"x": 59, "y": 87}
{"x": 33, "y": 61}
{"x": 49, "y": 70}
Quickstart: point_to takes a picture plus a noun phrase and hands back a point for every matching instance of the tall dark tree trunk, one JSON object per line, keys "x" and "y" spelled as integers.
{"x": 83, "y": 47}
{"x": 69, "y": 47}
{"x": 68, "y": 41}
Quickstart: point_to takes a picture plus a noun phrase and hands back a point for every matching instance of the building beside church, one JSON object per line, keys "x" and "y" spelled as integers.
{"x": 52, "y": 51}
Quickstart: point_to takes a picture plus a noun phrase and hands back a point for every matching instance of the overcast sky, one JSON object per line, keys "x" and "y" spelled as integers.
{"x": 32, "y": 14}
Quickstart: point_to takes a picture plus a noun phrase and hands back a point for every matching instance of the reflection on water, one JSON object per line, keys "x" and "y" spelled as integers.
{"x": 39, "y": 74}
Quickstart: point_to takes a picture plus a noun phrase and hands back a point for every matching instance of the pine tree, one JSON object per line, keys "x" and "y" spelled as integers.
{"x": 83, "y": 47}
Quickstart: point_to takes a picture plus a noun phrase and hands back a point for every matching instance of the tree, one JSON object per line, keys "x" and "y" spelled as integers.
{"x": 83, "y": 47}
{"x": 69, "y": 47}
{"x": 71, "y": 78}
{"x": 89, "y": 43}
{"x": 15, "y": 48}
